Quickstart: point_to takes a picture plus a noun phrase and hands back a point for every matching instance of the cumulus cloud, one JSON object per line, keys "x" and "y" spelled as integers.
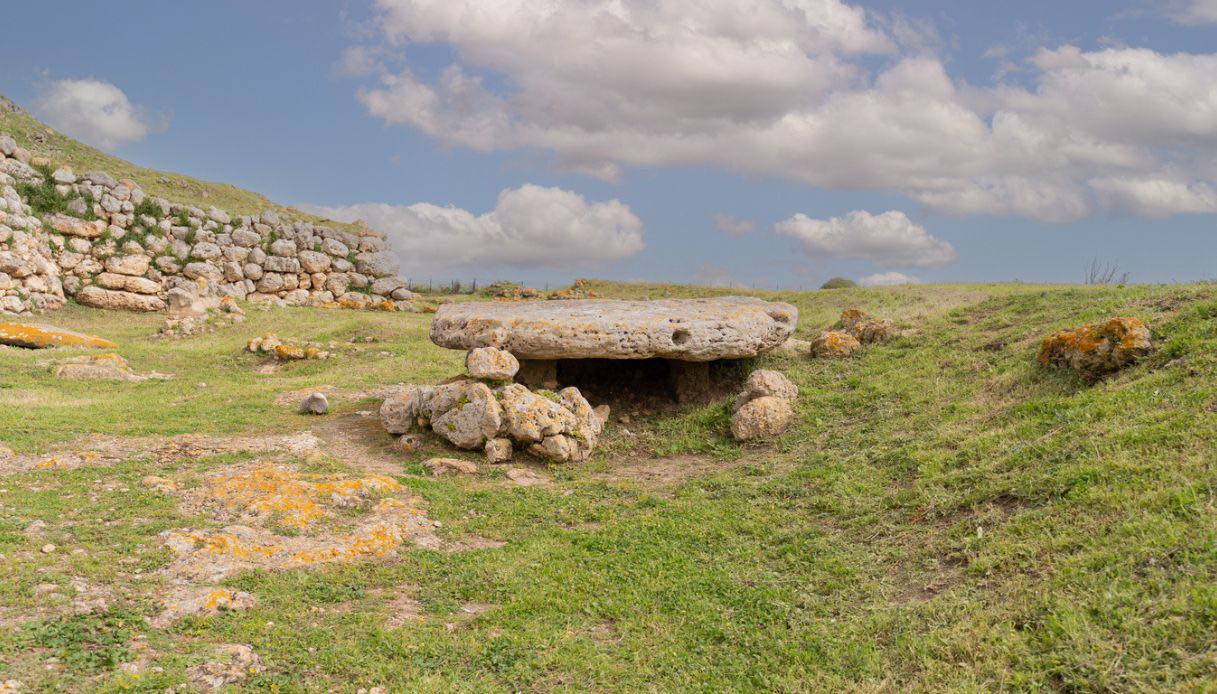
{"x": 530, "y": 226}
{"x": 819, "y": 91}
{"x": 92, "y": 111}
{"x": 733, "y": 226}
{"x": 887, "y": 279}
{"x": 889, "y": 239}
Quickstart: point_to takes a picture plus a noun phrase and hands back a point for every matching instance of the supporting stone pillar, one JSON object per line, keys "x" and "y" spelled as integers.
{"x": 538, "y": 373}
{"x": 690, "y": 380}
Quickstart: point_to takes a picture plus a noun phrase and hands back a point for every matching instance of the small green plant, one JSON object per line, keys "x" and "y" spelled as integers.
{"x": 147, "y": 207}
{"x": 183, "y": 218}
{"x": 89, "y": 642}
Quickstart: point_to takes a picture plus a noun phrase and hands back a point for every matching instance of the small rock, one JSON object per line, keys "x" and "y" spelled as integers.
{"x": 498, "y": 450}
{"x": 48, "y": 548}
{"x": 864, "y": 327}
{"x": 315, "y": 403}
{"x": 447, "y": 466}
{"x": 765, "y": 383}
{"x": 525, "y": 477}
{"x": 237, "y": 663}
{"x": 763, "y": 417}
{"x": 1098, "y": 349}
{"x": 834, "y": 344}
{"x": 409, "y": 443}
{"x": 491, "y": 364}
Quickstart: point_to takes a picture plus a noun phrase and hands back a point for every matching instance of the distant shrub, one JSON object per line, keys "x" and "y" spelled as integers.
{"x": 838, "y": 283}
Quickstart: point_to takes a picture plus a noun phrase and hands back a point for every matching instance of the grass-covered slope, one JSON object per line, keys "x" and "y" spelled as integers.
{"x": 944, "y": 515}
{"x": 43, "y": 141}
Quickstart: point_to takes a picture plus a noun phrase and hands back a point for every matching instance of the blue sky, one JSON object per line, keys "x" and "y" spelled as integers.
{"x": 264, "y": 95}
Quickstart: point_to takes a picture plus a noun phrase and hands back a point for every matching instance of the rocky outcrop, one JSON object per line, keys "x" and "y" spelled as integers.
{"x": 679, "y": 329}
{"x": 560, "y": 427}
{"x": 1098, "y": 349}
{"x": 101, "y": 367}
{"x": 764, "y": 408}
{"x": 113, "y": 246}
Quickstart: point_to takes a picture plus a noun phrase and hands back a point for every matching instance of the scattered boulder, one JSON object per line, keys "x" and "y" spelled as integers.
{"x": 472, "y": 419}
{"x": 491, "y": 364}
{"x": 794, "y": 347}
{"x": 834, "y": 344}
{"x": 764, "y": 408}
{"x": 450, "y": 466}
{"x": 865, "y": 328}
{"x": 285, "y": 350}
{"x": 315, "y": 403}
{"x": 34, "y": 336}
{"x": 1097, "y": 349}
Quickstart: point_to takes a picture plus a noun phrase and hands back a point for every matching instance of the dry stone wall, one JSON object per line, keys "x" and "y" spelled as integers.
{"x": 116, "y": 247}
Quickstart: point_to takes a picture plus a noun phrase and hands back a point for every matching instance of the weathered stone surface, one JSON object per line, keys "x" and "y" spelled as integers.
{"x": 32, "y": 336}
{"x": 761, "y": 418}
{"x": 450, "y": 466}
{"x": 471, "y": 419}
{"x": 834, "y": 344}
{"x": 400, "y": 413}
{"x": 766, "y": 383}
{"x": 498, "y": 450}
{"x": 313, "y": 261}
{"x": 1098, "y": 349}
{"x": 134, "y": 264}
{"x": 127, "y": 283}
{"x": 491, "y": 364}
{"x": 529, "y": 418}
{"x": 681, "y": 329}
{"x": 116, "y": 300}
{"x": 71, "y": 226}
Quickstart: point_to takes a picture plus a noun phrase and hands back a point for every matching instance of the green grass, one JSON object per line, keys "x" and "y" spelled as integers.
{"x": 944, "y": 516}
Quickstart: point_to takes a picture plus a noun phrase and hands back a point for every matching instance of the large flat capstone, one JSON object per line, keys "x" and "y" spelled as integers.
{"x": 681, "y": 329}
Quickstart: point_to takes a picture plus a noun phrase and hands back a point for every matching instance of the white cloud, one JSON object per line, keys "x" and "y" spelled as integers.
{"x": 734, "y": 226}
{"x": 1193, "y": 12}
{"x": 530, "y": 226}
{"x": 791, "y": 88}
{"x": 92, "y": 111}
{"x": 890, "y": 239}
{"x": 887, "y": 279}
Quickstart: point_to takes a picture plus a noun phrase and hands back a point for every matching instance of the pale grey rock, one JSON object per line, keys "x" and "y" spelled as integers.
{"x": 472, "y": 420}
{"x": 335, "y": 248}
{"x": 315, "y": 403}
{"x": 282, "y": 264}
{"x": 204, "y": 271}
{"x": 245, "y": 238}
{"x": 283, "y": 247}
{"x": 491, "y": 364}
{"x": 206, "y": 251}
{"x": 498, "y": 450}
{"x": 127, "y": 283}
{"x": 135, "y": 265}
{"x": 376, "y": 264}
{"x": 252, "y": 271}
{"x": 312, "y": 261}
{"x": 766, "y": 383}
{"x": 764, "y": 417}
{"x": 98, "y": 297}
{"x": 681, "y": 329}
{"x": 529, "y": 418}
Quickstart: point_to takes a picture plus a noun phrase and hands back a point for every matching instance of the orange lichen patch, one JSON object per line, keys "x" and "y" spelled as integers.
{"x": 834, "y": 344}
{"x": 1098, "y": 348}
{"x": 33, "y": 336}
{"x": 212, "y": 556}
{"x": 50, "y": 464}
{"x": 285, "y": 350}
{"x": 297, "y": 499}
{"x": 204, "y": 601}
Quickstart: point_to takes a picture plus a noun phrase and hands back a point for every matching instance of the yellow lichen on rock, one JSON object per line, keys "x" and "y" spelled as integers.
{"x": 1098, "y": 348}
{"x": 33, "y": 336}
{"x": 834, "y": 344}
{"x": 296, "y": 499}
{"x": 864, "y": 327}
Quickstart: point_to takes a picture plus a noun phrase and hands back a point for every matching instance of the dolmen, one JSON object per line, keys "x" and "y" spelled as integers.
{"x": 547, "y": 337}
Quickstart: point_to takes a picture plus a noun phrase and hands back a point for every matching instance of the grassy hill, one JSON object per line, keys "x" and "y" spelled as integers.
{"x": 43, "y": 141}
{"x": 945, "y": 515}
